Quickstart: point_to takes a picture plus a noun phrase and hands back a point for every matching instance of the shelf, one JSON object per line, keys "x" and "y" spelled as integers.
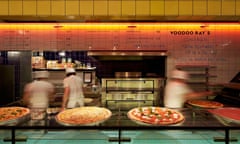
{"x": 194, "y": 66}
{"x": 199, "y": 75}
{"x": 63, "y": 69}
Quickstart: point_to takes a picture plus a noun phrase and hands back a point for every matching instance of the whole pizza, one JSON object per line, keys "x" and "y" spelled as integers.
{"x": 155, "y": 115}
{"x": 12, "y": 114}
{"x": 205, "y": 103}
{"x": 89, "y": 115}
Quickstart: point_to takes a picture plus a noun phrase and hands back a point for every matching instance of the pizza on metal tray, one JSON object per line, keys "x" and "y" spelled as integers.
{"x": 83, "y": 116}
{"x": 155, "y": 115}
{"x": 12, "y": 113}
{"x": 205, "y": 103}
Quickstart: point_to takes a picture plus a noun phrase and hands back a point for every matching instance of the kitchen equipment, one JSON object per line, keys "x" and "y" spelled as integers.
{"x": 128, "y": 74}
{"x": 230, "y": 93}
{"x": 126, "y": 93}
{"x": 131, "y": 78}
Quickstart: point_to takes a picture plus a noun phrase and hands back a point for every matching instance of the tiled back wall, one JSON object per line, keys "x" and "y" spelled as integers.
{"x": 215, "y": 44}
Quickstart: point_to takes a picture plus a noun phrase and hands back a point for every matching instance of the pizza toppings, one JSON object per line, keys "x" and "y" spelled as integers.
{"x": 83, "y": 116}
{"x": 205, "y": 103}
{"x": 155, "y": 115}
{"x": 12, "y": 113}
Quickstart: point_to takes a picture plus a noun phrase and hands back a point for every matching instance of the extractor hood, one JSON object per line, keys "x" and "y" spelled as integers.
{"x": 127, "y": 53}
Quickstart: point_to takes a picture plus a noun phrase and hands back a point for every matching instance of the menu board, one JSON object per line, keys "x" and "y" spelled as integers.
{"x": 80, "y": 38}
{"x": 188, "y": 43}
{"x": 185, "y": 43}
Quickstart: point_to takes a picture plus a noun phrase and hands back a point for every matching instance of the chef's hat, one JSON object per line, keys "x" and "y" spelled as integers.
{"x": 178, "y": 74}
{"x": 70, "y": 70}
{"x": 41, "y": 74}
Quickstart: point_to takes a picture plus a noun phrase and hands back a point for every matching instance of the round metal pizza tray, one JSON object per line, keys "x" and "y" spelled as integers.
{"x": 228, "y": 114}
{"x": 16, "y": 121}
{"x": 87, "y": 124}
{"x": 149, "y": 124}
{"x": 188, "y": 104}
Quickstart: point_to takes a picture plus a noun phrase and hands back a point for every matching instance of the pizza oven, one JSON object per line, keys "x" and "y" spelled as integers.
{"x": 126, "y": 93}
{"x": 130, "y": 78}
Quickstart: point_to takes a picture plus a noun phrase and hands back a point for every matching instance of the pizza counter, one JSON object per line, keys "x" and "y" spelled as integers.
{"x": 119, "y": 121}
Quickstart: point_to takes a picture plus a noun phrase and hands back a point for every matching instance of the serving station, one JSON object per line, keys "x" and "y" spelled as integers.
{"x": 119, "y": 121}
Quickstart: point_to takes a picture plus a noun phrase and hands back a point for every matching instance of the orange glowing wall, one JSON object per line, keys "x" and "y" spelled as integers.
{"x": 115, "y": 36}
{"x": 215, "y": 44}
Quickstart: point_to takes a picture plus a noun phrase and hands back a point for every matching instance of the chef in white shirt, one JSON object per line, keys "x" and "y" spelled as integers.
{"x": 39, "y": 92}
{"x": 177, "y": 91}
{"x": 73, "y": 90}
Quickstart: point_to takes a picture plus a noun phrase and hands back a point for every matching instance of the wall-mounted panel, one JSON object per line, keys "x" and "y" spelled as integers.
{"x": 100, "y": 7}
{"x": 114, "y": 7}
{"x": 72, "y": 7}
{"x": 200, "y": 7}
{"x": 128, "y": 7}
{"x": 30, "y": 7}
{"x": 58, "y": 7}
{"x": 186, "y": 8}
{"x": 120, "y": 7}
{"x": 214, "y": 7}
{"x": 143, "y": 7}
{"x": 86, "y": 7}
{"x": 228, "y": 7}
{"x": 157, "y": 7}
{"x": 171, "y": 7}
{"x": 44, "y": 7}
{"x": 15, "y": 7}
{"x": 237, "y": 8}
{"x": 4, "y": 8}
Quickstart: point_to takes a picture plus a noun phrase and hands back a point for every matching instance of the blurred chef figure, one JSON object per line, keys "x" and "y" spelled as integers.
{"x": 73, "y": 90}
{"x": 39, "y": 92}
{"x": 177, "y": 91}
